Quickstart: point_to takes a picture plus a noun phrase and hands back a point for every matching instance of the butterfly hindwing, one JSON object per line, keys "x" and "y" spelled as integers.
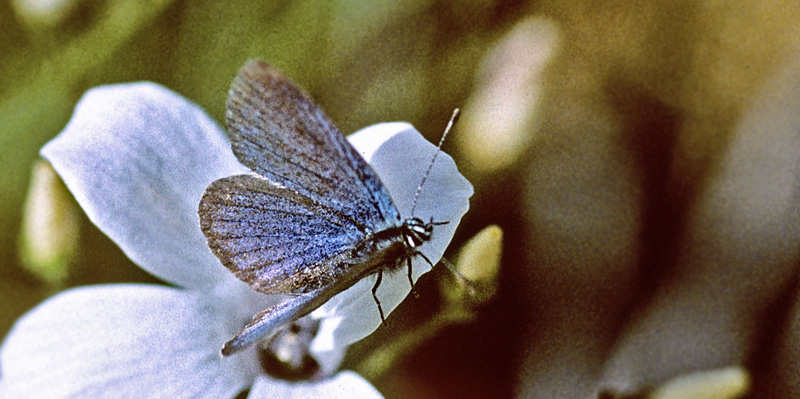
{"x": 277, "y": 131}
{"x": 272, "y": 237}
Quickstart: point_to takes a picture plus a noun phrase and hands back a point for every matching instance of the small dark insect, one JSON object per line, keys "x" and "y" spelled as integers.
{"x": 314, "y": 220}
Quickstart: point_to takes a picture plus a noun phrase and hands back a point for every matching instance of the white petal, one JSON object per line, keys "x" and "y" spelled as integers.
{"x": 124, "y": 341}
{"x": 330, "y": 361}
{"x": 400, "y": 156}
{"x": 344, "y": 385}
{"x": 137, "y": 157}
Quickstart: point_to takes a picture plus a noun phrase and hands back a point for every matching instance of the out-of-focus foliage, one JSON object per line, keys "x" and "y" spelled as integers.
{"x": 618, "y": 145}
{"x": 49, "y": 233}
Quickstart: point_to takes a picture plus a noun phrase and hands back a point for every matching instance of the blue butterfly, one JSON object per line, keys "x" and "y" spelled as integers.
{"x": 314, "y": 219}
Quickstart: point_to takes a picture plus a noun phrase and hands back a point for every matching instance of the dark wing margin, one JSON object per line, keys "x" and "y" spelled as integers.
{"x": 272, "y": 237}
{"x": 277, "y": 131}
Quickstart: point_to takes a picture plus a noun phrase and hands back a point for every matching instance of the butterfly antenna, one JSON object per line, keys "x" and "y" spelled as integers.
{"x": 447, "y": 129}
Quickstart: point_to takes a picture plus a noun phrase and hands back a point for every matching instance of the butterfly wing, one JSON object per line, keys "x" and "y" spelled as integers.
{"x": 277, "y": 131}
{"x": 269, "y": 320}
{"x": 274, "y": 238}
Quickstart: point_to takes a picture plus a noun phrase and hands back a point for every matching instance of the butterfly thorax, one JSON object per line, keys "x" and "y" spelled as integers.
{"x": 389, "y": 248}
{"x": 384, "y": 250}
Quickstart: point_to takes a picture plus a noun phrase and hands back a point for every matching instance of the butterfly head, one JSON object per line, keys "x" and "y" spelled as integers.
{"x": 416, "y": 232}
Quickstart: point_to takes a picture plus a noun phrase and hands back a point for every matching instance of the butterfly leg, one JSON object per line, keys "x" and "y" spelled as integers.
{"x": 375, "y": 295}
{"x": 410, "y": 280}
{"x": 420, "y": 254}
{"x": 437, "y": 223}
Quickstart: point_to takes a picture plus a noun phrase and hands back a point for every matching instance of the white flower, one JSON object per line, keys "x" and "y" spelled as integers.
{"x": 137, "y": 158}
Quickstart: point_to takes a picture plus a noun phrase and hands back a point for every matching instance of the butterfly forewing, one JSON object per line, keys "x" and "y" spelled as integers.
{"x": 277, "y": 131}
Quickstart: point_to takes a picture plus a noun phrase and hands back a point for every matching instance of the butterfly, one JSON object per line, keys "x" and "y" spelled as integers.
{"x": 313, "y": 219}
